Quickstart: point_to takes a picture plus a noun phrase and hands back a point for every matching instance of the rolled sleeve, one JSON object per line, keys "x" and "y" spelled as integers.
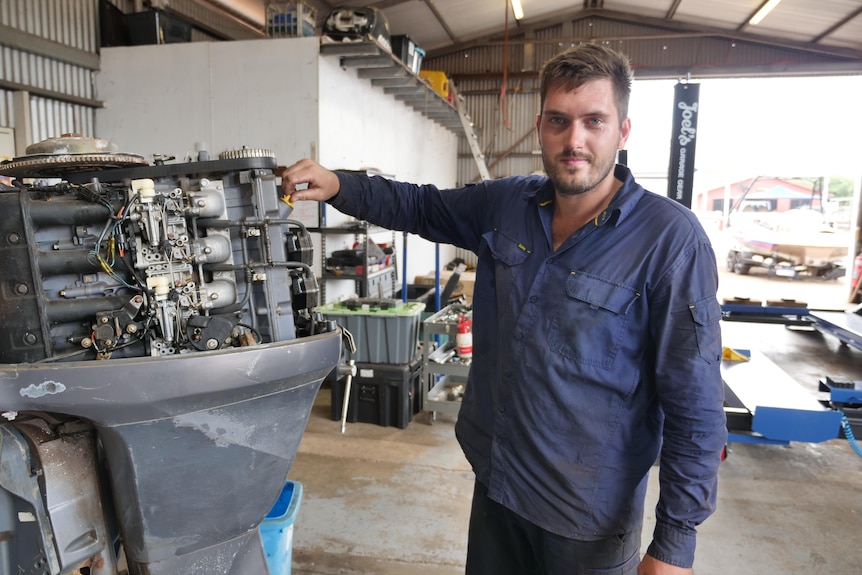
{"x": 672, "y": 545}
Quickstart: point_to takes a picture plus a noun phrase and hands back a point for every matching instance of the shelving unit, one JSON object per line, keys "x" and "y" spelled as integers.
{"x": 374, "y": 279}
{"x": 440, "y": 374}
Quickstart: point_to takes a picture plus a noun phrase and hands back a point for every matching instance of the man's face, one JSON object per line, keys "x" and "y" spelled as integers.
{"x": 579, "y": 133}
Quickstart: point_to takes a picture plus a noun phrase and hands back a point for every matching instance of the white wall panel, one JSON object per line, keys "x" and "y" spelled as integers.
{"x": 169, "y": 98}
{"x": 158, "y": 98}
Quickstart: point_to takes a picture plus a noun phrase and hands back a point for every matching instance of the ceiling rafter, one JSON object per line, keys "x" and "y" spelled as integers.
{"x": 675, "y": 27}
{"x": 744, "y": 24}
{"x": 671, "y": 12}
{"x": 441, "y": 20}
{"x": 851, "y": 16}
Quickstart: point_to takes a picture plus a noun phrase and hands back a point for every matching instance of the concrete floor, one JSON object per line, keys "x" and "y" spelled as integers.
{"x": 379, "y": 500}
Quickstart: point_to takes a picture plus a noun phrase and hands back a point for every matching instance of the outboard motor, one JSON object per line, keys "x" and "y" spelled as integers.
{"x": 345, "y": 23}
{"x": 159, "y": 357}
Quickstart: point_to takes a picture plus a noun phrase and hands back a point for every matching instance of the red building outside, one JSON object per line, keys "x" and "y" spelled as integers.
{"x": 762, "y": 194}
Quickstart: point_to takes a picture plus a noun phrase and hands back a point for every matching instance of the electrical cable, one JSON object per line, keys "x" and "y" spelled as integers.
{"x": 503, "y": 111}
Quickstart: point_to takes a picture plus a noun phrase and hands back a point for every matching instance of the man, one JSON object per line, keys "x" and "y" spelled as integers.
{"x": 596, "y": 339}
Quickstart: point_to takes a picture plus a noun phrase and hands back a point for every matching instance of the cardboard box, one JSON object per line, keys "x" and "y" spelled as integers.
{"x": 464, "y": 287}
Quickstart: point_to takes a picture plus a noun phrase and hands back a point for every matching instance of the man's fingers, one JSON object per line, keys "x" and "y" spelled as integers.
{"x": 296, "y": 178}
{"x": 307, "y": 180}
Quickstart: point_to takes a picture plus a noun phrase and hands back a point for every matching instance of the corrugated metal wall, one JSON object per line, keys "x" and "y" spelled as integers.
{"x": 67, "y": 22}
{"x": 49, "y": 51}
{"x": 505, "y": 125}
{"x": 64, "y": 99}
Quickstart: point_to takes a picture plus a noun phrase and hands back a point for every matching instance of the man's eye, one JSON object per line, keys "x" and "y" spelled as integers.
{"x": 556, "y": 121}
{"x": 596, "y": 121}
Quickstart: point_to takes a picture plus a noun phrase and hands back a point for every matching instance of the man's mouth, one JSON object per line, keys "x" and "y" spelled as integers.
{"x": 574, "y": 159}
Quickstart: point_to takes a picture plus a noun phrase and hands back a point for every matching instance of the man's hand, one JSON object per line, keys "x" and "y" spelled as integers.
{"x": 322, "y": 184}
{"x": 652, "y": 566}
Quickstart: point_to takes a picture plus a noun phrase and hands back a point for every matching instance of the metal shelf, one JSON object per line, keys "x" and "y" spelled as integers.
{"x": 354, "y": 276}
{"x": 441, "y": 324}
{"x": 362, "y": 232}
{"x": 373, "y": 62}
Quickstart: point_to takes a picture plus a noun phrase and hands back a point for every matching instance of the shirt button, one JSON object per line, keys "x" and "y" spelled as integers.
{"x": 501, "y": 409}
{"x": 519, "y": 336}
{"x": 534, "y": 299}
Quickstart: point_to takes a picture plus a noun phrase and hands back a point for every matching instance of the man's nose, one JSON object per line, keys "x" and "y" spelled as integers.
{"x": 574, "y": 136}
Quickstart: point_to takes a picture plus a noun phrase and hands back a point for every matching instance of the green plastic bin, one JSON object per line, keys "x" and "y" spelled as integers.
{"x": 388, "y": 335}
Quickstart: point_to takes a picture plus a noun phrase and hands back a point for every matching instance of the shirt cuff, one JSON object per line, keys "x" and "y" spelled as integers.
{"x": 345, "y": 180}
{"x": 673, "y": 545}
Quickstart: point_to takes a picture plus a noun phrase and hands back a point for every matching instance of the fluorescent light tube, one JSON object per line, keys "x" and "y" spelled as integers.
{"x": 516, "y": 8}
{"x": 762, "y": 12}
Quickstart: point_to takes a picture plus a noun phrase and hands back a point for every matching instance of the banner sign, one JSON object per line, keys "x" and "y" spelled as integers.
{"x": 680, "y": 175}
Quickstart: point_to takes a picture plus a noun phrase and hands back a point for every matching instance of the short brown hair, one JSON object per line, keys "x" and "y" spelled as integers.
{"x": 589, "y": 62}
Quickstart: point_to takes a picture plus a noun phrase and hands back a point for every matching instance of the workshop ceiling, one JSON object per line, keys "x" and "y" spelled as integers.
{"x": 830, "y": 29}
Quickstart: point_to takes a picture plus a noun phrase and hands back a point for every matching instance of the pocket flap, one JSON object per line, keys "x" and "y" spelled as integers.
{"x": 705, "y": 312}
{"x": 599, "y": 293}
{"x": 505, "y": 249}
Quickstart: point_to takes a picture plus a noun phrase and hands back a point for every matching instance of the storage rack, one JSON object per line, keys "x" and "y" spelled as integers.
{"x": 438, "y": 340}
{"x": 367, "y": 283}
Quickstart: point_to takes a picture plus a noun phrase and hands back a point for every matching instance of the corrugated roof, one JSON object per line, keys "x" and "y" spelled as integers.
{"x": 826, "y": 27}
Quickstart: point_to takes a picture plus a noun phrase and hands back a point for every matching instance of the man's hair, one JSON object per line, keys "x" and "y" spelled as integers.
{"x": 585, "y": 62}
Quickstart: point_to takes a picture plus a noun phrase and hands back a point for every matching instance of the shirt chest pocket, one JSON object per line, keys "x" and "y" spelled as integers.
{"x": 509, "y": 256}
{"x": 589, "y": 322}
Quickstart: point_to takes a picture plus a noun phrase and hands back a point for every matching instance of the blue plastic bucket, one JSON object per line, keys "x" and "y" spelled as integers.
{"x": 276, "y": 529}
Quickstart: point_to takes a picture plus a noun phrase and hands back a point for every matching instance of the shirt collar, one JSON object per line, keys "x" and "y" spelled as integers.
{"x": 626, "y": 198}
{"x": 621, "y": 205}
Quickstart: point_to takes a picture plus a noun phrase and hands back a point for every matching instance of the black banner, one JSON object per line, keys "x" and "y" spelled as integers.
{"x": 680, "y": 173}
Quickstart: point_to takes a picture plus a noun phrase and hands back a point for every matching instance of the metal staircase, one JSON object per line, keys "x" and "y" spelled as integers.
{"x": 377, "y": 64}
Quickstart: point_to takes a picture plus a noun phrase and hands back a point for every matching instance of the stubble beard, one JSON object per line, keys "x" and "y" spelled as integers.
{"x": 579, "y": 182}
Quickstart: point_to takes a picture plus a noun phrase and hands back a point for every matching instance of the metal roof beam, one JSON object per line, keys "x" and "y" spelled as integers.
{"x": 837, "y": 25}
{"x": 33, "y": 44}
{"x": 441, "y": 20}
{"x": 675, "y": 28}
{"x": 671, "y": 12}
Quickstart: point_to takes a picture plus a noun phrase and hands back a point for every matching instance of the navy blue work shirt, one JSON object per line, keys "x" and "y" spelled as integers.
{"x": 587, "y": 360}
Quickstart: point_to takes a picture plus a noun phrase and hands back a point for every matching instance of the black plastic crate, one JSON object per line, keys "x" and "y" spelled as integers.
{"x": 408, "y": 52}
{"x": 385, "y": 394}
{"x": 156, "y": 27}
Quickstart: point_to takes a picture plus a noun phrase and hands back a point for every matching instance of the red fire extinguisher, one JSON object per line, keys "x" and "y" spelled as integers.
{"x": 857, "y": 271}
{"x": 464, "y": 339}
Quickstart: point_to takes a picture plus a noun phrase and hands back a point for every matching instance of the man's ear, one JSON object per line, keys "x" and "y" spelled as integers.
{"x": 625, "y": 130}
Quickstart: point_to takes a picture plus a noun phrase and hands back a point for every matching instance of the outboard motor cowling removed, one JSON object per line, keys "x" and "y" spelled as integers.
{"x": 159, "y": 357}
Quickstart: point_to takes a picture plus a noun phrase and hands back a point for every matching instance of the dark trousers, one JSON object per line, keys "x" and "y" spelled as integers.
{"x": 503, "y": 543}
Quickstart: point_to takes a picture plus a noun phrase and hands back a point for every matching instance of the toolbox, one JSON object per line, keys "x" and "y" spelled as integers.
{"x": 384, "y": 394}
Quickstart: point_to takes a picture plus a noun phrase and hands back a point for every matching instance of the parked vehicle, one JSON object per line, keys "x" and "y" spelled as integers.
{"x": 789, "y": 244}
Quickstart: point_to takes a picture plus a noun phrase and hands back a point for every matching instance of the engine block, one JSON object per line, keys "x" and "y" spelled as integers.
{"x": 156, "y": 260}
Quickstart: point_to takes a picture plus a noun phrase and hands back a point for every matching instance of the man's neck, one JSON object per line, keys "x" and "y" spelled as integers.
{"x": 571, "y": 213}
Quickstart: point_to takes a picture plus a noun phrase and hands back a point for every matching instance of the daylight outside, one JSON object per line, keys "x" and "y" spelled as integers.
{"x": 776, "y": 184}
